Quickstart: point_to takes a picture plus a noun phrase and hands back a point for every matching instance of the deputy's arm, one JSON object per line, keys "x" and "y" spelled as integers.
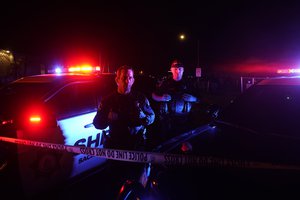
{"x": 164, "y": 97}
{"x": 101, "y": 120}
{"x": 149, "y": 116}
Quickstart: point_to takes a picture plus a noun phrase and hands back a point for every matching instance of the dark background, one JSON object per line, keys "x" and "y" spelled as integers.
{"x": 233, "y": 37}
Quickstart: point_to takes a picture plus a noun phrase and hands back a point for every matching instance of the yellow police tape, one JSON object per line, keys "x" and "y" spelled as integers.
{"x": 153, "y": 157}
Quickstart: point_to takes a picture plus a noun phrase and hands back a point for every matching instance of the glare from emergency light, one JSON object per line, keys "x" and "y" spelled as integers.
{"x": 58, "y": 70}
{"x": 295, "y": 70}
{"x": 74, "y": 69}
{"x": 83, "y": 68}
{"x": 97, "y": 68}
{"x": 288, "y": 71}
{"x": 86, "y": 68}
{"x": 35, "y": 119}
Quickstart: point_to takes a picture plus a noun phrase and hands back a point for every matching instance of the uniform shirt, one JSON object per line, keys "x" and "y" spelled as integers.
{"x": 177, "y": 106}
{"x": 134, "y": 113}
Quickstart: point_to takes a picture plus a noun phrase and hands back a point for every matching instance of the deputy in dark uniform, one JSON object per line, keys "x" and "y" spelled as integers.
{"x": 126, "y": 112}
{"x": 176, "y": 96}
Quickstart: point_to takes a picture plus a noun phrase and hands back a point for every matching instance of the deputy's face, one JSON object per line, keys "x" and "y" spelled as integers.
{"x": 177, "y": 73}
{"x": 125, "y": 81}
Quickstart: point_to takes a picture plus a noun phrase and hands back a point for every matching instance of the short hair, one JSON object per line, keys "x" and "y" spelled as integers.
{"x": 124, "y": 67}
{"x": 176, "y": 63}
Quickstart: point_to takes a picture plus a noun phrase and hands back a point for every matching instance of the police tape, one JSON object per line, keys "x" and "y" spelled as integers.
{"x": 154, "y": 157}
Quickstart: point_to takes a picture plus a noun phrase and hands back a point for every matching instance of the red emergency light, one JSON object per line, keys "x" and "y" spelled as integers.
{"x": 83, "y": 69}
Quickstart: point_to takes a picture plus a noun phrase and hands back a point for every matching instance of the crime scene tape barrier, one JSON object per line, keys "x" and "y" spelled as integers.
{"x": 154, "y": 157}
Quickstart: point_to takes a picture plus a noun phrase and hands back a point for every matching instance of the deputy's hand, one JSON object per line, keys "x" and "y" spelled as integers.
{"x": 189, "y": 98}
{"x": 166, "y": 97}
{"x": 141, "y": 114}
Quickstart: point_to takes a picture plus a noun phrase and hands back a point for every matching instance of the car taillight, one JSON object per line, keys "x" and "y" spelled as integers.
{"x": 37, "y": 116}
{"x": 29, "y": 114}
{"x": 35, "y": 119}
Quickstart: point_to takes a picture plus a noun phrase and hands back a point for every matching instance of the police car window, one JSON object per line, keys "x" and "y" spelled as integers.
{"x": 74, "y": 100}
{"x": 268, "y": 109}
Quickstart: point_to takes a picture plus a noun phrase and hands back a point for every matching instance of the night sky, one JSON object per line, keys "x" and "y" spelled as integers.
{"x": 233, "y": 36}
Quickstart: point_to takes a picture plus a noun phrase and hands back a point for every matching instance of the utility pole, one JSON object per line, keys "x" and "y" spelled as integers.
{"x": 198, "y": 52}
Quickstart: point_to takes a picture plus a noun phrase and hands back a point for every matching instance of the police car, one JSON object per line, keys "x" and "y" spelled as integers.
{"x": 250, "y": 150}
{"x": 56, "y": 109}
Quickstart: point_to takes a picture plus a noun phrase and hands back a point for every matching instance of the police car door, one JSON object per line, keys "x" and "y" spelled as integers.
{"x": 76, "y": 106}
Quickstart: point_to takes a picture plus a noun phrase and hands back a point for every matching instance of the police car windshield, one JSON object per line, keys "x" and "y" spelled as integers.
{"x": 267, "y": 109}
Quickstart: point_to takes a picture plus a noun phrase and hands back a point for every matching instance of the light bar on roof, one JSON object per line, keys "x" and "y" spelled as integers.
{"x": 58, "y": 70}
{"x": 288, "y": 71}
{"x": 83, "y": 69}
{"x": 75, "y": 69}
